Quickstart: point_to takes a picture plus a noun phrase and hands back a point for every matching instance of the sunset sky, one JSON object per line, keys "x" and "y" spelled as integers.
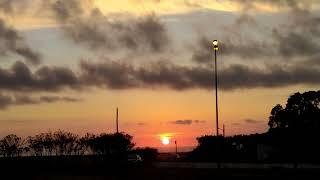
{"x": 69, "y": 64}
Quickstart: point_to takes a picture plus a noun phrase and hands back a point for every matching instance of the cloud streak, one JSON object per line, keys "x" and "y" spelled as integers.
{"x": 252, "y": 121}
{"x": 187, "y": 122}
{"x": 19, "y": 100}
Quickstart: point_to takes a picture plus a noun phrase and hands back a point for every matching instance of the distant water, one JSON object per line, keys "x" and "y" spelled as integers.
{"x": 173, "y": 149}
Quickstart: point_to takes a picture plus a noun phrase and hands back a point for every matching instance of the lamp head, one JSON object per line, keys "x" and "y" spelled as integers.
{"x": 215, "y": 45}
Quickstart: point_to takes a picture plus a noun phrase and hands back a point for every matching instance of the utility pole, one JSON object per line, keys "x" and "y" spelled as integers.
{"x": 117, "y": 120}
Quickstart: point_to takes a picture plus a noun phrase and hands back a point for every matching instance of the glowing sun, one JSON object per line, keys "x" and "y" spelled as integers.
{"x": 165, "y": 140}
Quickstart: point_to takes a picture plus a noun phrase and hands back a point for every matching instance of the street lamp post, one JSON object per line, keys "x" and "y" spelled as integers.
{"x": 216, "y": 48}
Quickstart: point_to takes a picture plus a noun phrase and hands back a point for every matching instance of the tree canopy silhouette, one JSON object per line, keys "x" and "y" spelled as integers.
{"x": 61, "y": 143}
{"x": 11, "y": 145}
{"x": 301, "y": 114}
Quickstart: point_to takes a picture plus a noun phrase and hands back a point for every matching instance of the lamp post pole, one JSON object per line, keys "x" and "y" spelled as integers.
{"x": 215, "y": 48}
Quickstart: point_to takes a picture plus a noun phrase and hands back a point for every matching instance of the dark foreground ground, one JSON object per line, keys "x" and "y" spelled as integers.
{"x": 98, "y": 168}
{"x": 188, "y": 174}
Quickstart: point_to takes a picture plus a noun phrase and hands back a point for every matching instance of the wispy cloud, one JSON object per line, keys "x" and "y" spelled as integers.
{"x": 252, "y": 121}
{"x": 187, "y": 122}
{"x": 141, "y": 124}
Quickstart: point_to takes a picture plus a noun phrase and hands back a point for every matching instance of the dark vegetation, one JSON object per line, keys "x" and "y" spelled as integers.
{"x": 293, "y": 136}
{"x": 55, "y": 144}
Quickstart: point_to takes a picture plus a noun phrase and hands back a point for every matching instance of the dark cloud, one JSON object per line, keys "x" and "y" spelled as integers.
{"x": 5, "y": 101}
{"x": 182, "y": 122}
{"x": 12, "y": 7}
{"x": 141, "y": 124}
{"x": 163, "y": 74}
{"x": 21, "y": 99}
{"x": 66, "y": 10}
{"x": 70, "y": 99}
{"x": 12, "y": 42}
{"x": 110, "y": 74}
{"x": 187, "y": 122}
{"x": 312, "y": 61}
{"x": 117, "y": 75}
{"x": 241, "y": 76}
{"x": 20, "y": 78}
{"x": 10, "y": 39}
{"x": 25, "y": 100}
{"x": 99, "y": 32}
{"x": 297, "y": 37}
{"x": 122, "y": 75}
{"x": 282, "y": 45}
{"x": 203, "y": 52}
{"x": 51, "y": 99}
{"x": 296, "y": 44}
{"x": 6, "y": 6}
{"x": 199, "y": 121}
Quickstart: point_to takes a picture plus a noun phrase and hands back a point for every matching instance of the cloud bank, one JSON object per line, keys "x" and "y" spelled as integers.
{"x": 122, "y": 75}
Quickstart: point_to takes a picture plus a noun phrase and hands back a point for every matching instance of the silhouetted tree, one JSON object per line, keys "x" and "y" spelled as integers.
{"x": 48, "y": 143}
{"x": 64, "y": 142}
{"x": 36, "y": 145}
{"x": 238, "y": 148}
{"x": 110, "y": 144}
{"x": 41, "y": 144}
{"x": 301, "y": 114}
{"x": 296, "y": 128}
{"x": 88, "y": 143}
{"x": 11, "y": 145}
{"x": 207, "y": 148}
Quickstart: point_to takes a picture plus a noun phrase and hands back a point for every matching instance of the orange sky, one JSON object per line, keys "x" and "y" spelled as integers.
{"x": 147, "y": 112}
